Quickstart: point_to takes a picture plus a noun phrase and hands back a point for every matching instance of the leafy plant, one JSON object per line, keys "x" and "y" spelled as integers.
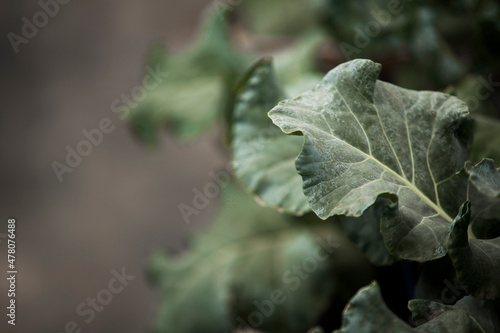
{"x": 269, "y": 270}
{"x": 358, "y": 179}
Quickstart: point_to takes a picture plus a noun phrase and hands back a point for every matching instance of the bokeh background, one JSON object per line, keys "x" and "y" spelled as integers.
{"x": 122, "y": 201}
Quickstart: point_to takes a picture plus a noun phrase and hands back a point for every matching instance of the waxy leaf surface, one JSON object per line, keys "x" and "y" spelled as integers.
{"x": 366, "y": 139}
{"x": 264, "y": 160}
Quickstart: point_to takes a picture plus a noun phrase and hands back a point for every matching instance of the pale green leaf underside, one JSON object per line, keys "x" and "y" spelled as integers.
{"x": 263, "y": 156}
{"x": 366, "y": 138}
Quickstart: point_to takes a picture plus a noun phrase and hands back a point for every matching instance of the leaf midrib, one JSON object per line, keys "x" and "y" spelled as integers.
{"x": 407, "y": 183}
{"x": 436, "y": 206}
{"x": 412, "y": 187}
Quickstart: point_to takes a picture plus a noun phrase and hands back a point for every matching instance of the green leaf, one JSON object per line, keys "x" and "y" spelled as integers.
{"x": 250, "y": 257}
{"x": 364, "y": 231}
{"x": 366, "y": 139}
{"x": 483, "y": 314}
{"x": 348, "y": 22}
{"x": 438, "y": 281}
{"x": 197, "y": 89}
{"x": 486, "y": 142}
{"x": 431, "y": 51}
{"x": 476, "y": 261}
{"x": 476, "y": 91}
{"x": 484, "y": 177}
{"x": 367, "y": 313}
{"x": 279, "y": 17}
{"x": 297, "y": 66}
{"x": 484, "y": 194}
{"x": 263, "y": 156}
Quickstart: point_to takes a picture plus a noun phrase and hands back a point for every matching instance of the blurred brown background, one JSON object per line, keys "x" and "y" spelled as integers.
{"x": 121, "y": 201}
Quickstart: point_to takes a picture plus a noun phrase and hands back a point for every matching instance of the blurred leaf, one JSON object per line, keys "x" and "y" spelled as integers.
{"x": 476, "y": 92}
{"x": 256, "y": 267}
{"x": 476, "y": 261}
{"x": 279, "y": 17}
{"x": 316, "y": 330}
{"x": 366, "y": 139}
{"x": 433, "y": 55}
{"x": 264, "y": 157}
{"x": 486, "y": 142}
{"x": 367, "y": 313}
{"x": 197, "y": 89}
{"x": 488, "y": 16}
{"x": 426, "y": 42}
{"x": 366, "y": 28}
{"x": 296, "y": 66}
